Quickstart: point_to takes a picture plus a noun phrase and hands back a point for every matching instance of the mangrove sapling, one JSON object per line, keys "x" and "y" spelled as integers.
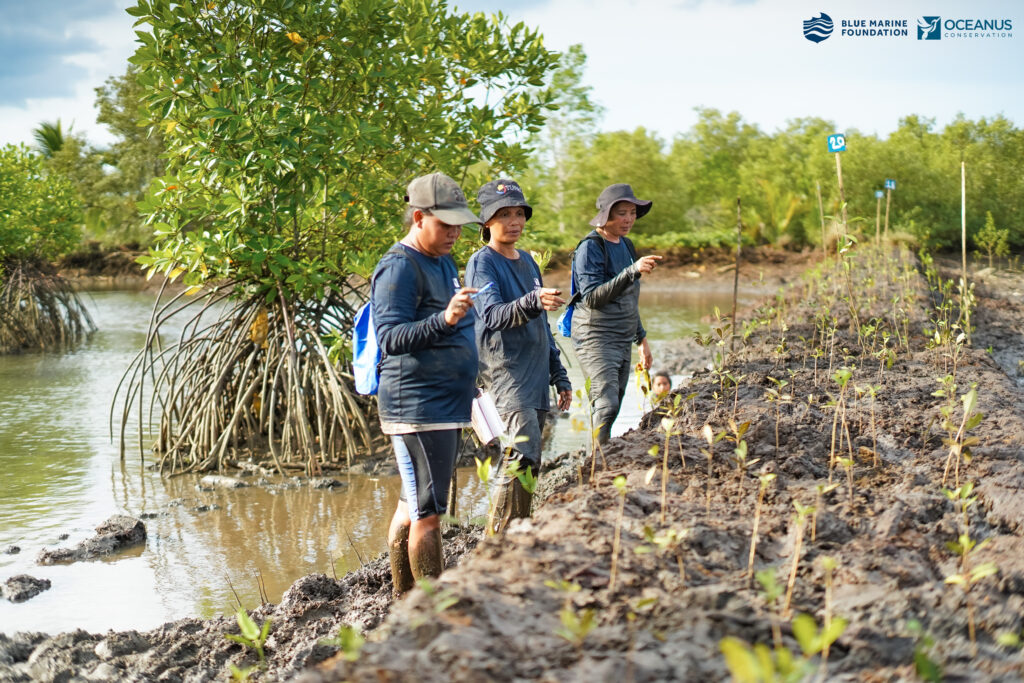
{"x": 668, "y": 425}
{"x": 739, "y": 454}
{"x": 802, "y": 512}
{"x": 758, "y": 663}
{"x": 926, "y": 668}
{"x": 819, "y": 491}
{"x": 770, "y": 592}
{"x": 252, "y": 636}
{"x": 967, "y": 577}
{"x": 842, "y": 378}
{"x": 774, "y": 396}
{"x": 668, "y": 541}
{"x": 766, "y": 480}
{"x": 847, "y": 464}
{"x": 620, "y": 485}
{"x": 958, "y": 442}
{"x": 575, "y": 626}
{"x": 483, "y": 473}
{"x": 828, "y": 565}
{"x": 349, "y": 640}
{"x": 711, "y": 438}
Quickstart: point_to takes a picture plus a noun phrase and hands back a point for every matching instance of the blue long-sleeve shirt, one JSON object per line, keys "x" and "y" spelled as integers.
{"x": 428, "y": 368}
{"x": 609, "y": 310}
{"x": 518, "y": 355}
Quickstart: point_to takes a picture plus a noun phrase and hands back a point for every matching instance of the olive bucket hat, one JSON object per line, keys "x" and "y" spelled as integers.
{"x": 498, "y": 194}
{"x": 442, "y": 196}
{"x": 619, "y": 192}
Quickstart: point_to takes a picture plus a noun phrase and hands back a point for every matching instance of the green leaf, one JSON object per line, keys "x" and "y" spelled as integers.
{"x": 740, "y": 660}
{"x": 805, "y": 630}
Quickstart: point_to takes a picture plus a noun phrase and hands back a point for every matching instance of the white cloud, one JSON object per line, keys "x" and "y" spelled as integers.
{"x": 650, "y": 63}
{"x": 116, "y": 42}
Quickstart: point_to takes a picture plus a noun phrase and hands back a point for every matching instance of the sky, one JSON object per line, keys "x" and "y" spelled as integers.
{"x": 650, "y": 63}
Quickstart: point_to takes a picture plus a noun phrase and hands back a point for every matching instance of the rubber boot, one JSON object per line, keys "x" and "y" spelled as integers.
{"x": 427, "y": 558}
{"x": 398, "y": 552}
{"x": 510, "y": 501}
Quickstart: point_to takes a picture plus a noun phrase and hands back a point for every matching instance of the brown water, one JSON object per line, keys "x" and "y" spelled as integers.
{"x": 61, "y": 473}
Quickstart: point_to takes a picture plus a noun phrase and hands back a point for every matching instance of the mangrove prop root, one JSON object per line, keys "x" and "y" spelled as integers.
{"x": 39, "y": 310}
{"x": 245, "y": 376}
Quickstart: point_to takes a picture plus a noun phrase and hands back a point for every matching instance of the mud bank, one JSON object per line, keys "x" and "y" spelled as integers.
{"x": 540, "y": 603}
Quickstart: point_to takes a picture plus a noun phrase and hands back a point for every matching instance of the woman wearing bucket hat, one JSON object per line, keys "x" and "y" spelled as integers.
{"x": 428, "y": 368}
{"x": 606, "y": 323}
{"x": 518, "y": 356}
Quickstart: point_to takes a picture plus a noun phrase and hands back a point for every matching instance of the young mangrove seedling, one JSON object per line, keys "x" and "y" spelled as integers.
{"x": 828, "y": 565}
{"x": 711, "y": 438}
{"x": 847, "y": 464}
{"x": 252, "y": 636}
{"x": 668, "y": 541}
{"x": 926, "y": 668}
{"x": 759, "y": 663}
{"x": 819, "y": 491}
{"x": 842, "y": 378}
{"x": 958, "y": 442}
{"x": 775, "y": 396}
{"x": 770, "y": 592}
{"x": 349, "y": 641}
{"x": 766, "y": 480}
{"x": 575, "y": 626}
{"x": 739, "y": 454}
{"x": 802, "y": 512}
{"x": 967, "y": 577}
{"x": 668, "y": 425}
{"x": 620, "y": 485}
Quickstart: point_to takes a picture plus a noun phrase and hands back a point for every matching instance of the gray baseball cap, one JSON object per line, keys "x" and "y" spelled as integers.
{"x": 442, "y": 196}
{"x": 619, "y": 192}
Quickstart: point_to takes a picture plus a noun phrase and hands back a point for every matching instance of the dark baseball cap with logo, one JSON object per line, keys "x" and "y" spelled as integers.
{"x": 619, "y": 192}
{"x": 442, "y": 196}
{"x": 496, "y": 195}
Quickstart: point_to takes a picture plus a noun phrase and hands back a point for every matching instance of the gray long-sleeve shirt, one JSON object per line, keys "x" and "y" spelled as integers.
{"x": 518, "y": 356}
{"x": 608, "y": 312}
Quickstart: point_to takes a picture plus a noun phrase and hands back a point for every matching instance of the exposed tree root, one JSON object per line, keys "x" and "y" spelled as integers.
{"x": 39, "y": 310}
{"x": 246, "y": 376}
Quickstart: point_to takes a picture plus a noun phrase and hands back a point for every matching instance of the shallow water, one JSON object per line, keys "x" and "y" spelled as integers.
{"x": 60, "y": 472}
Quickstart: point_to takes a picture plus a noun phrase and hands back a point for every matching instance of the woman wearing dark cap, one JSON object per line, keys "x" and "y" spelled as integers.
{"x": 518, "y": 356}
{"x": 606, "y": 322}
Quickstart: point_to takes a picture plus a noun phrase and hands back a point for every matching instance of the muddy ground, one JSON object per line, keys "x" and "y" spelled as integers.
{"x": 509, "y": 609}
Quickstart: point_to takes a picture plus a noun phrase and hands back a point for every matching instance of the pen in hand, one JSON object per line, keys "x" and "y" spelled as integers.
{"x": 481, "y": 290}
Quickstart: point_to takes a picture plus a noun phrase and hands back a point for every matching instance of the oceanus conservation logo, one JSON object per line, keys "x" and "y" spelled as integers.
{"x": 817, "y": 29}
{"x": 928, "y": 28}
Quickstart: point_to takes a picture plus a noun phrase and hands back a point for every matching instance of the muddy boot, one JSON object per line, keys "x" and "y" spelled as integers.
{"x": 510, "y": 501}
{"x": 427, "y": 558}
{"x": 398, "y": 551}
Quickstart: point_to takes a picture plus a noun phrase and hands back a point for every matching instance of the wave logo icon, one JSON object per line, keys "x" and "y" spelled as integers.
{"x": 817, "y": 29}
{"x": 928, "y": 28}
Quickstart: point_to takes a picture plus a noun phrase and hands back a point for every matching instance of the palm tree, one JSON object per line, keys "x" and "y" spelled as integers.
{"x": 49, "y": 138}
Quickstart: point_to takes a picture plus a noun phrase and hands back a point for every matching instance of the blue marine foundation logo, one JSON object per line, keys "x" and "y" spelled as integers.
{"x": 817, "y": 29}
{"x": 929, "y": 28}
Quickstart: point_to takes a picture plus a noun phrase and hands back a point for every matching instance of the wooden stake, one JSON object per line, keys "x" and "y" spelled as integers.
{"x": 878, "y": 217}
{"x": 842, "y": 196}
{"x": 888, "y": 200}
{"x": 821, "y": 213}
{"x": 736, "y": 271}
{"x": 963, "y": 218}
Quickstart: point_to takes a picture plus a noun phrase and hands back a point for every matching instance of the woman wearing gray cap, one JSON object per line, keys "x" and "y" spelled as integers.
{"x": 428, "y": 368}
{"x": 606, "y": 322}
{"x": 518, "y": 356}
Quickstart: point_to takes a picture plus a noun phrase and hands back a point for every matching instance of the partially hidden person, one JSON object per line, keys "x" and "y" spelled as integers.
{"x": 607, "y": 322}
{"x": 519, "y": 360}
{"x": 424, "y": 326}
{"x": 661, "y": 386}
